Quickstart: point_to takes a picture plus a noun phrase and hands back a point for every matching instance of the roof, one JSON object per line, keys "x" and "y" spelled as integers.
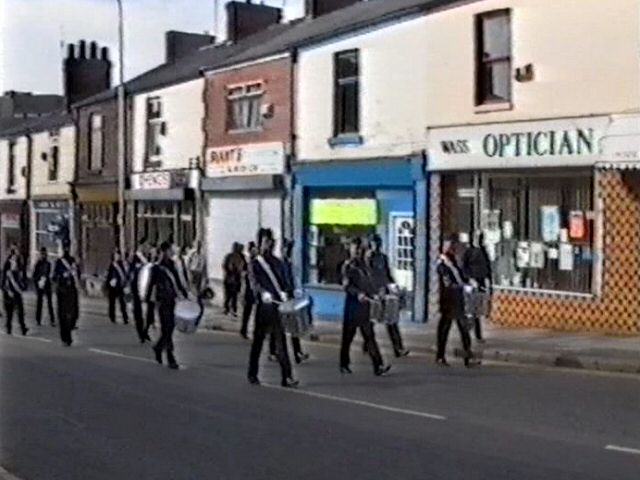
{"x": 272, "y": 41}
{"x": 38, "y": 124}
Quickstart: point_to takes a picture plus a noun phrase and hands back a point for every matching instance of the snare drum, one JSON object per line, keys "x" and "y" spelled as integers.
{"x": 295, "y": 315}
{"x": 376, "y": 311}
{"x": 391, "y": 309}
{"x": 188, "y": 315}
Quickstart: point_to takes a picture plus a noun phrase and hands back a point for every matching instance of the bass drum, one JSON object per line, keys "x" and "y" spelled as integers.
{"x": 188, "y": 315}
{"x": 144, "y": 279}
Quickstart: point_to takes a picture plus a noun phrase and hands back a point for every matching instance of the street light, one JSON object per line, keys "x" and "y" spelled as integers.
{"x": 121, "y": 130}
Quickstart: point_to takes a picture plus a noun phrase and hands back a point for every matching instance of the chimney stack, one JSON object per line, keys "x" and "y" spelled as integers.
{"x": 246, "y": 18}
{"x": 316, "y": 8}
{"x": 180, "y": 44}
{"x": 85, "y": 75}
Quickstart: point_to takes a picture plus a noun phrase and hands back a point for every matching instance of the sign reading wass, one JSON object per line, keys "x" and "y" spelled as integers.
{"x": 256, "y": 159}
{"x": 567, "y": 142}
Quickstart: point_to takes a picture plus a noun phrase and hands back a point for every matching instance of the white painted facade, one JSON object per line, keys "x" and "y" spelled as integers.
{"x": 21, "y": 152}
{"x": 41, "y": 186}
{"x": 183, "y": 113}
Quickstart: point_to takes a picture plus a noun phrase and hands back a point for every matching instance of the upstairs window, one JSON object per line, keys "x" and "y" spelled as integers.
{"x": 96, "y": 142}
{"x": 54, "y": 160}
{"x": 155, "y": 130}
{"x": 493, "y": 57}
{"x": 346, "y": 108}
{"x": 244, "y": 107}
{"x": 11, "y": 168}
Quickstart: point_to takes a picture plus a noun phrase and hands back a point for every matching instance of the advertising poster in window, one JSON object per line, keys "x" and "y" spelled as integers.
{"x": 523, "y": 255}
{"x": 491, "y": 226}
{"x": 550, "y": 218}
{"x": 577, "y": 225}
{"x": 537, "y": 255}
{"x": 565, "y": 262}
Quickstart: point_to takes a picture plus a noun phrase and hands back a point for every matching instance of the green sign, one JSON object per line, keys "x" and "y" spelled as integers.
{"x": 344, "y": 211}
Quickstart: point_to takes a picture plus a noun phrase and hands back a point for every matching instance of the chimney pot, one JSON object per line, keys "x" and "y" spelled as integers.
{"x": 93, "y": 50}
{"x": 83, "y": 49}
{"x": 71, "y": 51}
{"x": 104, "y": 53}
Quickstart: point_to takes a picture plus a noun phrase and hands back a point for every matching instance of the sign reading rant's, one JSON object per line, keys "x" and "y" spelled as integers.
{"x": 255, "y": 159}
{"x": 569, "y": 142}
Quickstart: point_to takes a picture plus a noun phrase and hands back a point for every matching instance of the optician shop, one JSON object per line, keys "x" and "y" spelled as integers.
{"x": 559, "y": 230}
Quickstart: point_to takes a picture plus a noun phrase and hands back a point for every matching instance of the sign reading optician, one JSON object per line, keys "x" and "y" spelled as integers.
{"x": 565, "y": 142}
{"x": 256, "y": 159}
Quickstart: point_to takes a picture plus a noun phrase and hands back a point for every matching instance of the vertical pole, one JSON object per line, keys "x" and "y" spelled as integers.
{"x": 121, "y": 130}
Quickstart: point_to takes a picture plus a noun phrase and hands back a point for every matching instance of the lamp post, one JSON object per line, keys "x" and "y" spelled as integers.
{"x": 121, "y": 130}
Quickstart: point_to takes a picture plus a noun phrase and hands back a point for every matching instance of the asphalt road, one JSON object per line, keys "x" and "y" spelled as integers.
{"x": 104, "y": 409}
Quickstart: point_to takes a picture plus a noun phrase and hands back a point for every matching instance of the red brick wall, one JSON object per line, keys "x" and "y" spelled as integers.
{"x": 276, "y": 76}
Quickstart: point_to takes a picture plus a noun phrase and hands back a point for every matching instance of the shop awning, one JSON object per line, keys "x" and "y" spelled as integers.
{"x": 620, "y": 147}
{"x": 97, "y": 194}
{"x": 170, "y": 194}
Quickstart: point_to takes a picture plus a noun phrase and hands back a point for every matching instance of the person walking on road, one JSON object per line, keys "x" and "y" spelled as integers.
{"x": 452, "y": 285}
{"x": 249, "y": 296}
{"x": 13, "y": 284}
{"x": 42, "y": 274}
{"x": 153, "y": 257}
{"x": 477, "y": 267}
{"x": 233, "y": 267}
{"x": 382, "y": 278}
{"x": 166, "y": 285}
{"x": 197, "y": 266}
{"x": 117, "y": 282}
{"x": 136, "y": 264}
{"x": 360, "y": 291}
{"x": 65, "y": 276}
{"x": 270, "y": 284}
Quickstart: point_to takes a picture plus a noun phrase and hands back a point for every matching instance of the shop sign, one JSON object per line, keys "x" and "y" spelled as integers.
{"x": 567, "y": 142}
{"x": 344, "y": 211}
{"x": 154, "y": 181}
{"x": 10, "y": 220}
{"x": 256, "y": 159}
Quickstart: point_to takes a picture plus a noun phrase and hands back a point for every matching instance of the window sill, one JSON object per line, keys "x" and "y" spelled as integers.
{"x": 346, "y": 140}
{"x": 493, "y": 107}
{"x": 152, "y": 164}
{"x": 240, "y": 131}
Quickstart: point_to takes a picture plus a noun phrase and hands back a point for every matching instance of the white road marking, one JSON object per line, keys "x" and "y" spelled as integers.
{"x": 38, "y": 339}
{"x": 121, "y": 355}
{"x": 4, "y": 475}
{"x": 360, "y": 403}
{"x": 616, "y": 448}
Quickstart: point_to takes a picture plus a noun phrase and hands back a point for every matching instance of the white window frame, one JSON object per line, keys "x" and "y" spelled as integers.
{"x": 243, "y": 96}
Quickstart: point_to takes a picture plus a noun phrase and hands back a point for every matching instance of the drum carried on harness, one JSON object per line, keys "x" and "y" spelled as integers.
{"x": 386, "y": 310}
{"x": 295, "y": 315}
{"x": 144, "y": 279}
{"x": 188, "y": 315}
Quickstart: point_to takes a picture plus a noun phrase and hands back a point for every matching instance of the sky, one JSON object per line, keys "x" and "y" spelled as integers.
{"x": 32, "y": 32}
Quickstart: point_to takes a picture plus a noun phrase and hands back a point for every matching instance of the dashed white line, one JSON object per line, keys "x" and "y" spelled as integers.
{"x": 617, "y": 448}
{"x": 4, "y": 475}
{"x": 121, "y": 355}
{"x": 361, "y": 403}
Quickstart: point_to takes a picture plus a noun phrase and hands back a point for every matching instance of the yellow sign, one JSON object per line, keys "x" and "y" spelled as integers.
{"x": 346, "y": 211}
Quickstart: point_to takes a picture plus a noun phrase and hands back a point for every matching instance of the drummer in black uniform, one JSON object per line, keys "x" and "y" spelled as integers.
{"x": 117, "y": 281}
{"x": 360, "y": 292}
{"x": 42, "y": 273}
{"x": 271, "y": 285}
{"x": 382, "y": 279}
{"x": 138, "y": 260}
{"x": 65, "y": 276}
{"x": 166, "y": 285}
{"x": 13, "y": 285}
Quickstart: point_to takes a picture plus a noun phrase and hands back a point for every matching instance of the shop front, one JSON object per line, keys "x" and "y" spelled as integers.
{"x": 244, "y": 190}
{"x": 336, "y": 201}
{"x": 13, "y": 227}
{"x": 52, "y": 221}
{"x": 163, "y": 206}
{"x": 554, "y": 225}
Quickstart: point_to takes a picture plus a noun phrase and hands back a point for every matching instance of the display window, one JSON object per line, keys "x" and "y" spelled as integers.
{"x": 166, "y": 221}
{"x": 538, "y": 228}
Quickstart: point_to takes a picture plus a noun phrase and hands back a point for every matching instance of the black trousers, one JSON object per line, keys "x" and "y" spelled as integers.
{"x": 116, "y": 294}
{"x": 477, "y": 327}
{"x": 151, "y": 314}
{"x": 247, "y": 309}
{"x": 43, "y": 293}
{"x": 444, "y": 326}
{"x": 167, "y": 326}
{"x": 296, "y": 344}
{"x": 268, "y": 322}
{"x": 396, "y": 338}
{"x": 67, "y": 313}
{"x": 349, "y": 329}
{"x": 231, "y": 291}
{"x": 138, "y": 317}
{"x": 11, "y": 305}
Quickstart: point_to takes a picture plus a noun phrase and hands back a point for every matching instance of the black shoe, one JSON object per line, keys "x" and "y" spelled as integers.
{"x": 253, "y": 380}
{"x": 481, "y": 340}
{"x": 25, "y": 331}
{"x": 345, "y": 370}
{"x": 174, "y": 366}
{"x": 126, "y": 322}
{"x": 244, "y": 335}
{"x": 302, "y": 357}
{"x": 158, "y": 354}
{"x": 143, "y": 340}
{"x": 39, "y": 324}
{"x": 146, "y": 337}
{"x": 66, "y": 344}
{"x": 113, "y": 321}
{"x": 442, "y": 362}
{"x": 9, "y": 332}
{"x": 289, "y": 383}
{"x": 471, "y": 362}
{"x": 402, "y": 353}
{"x": 382, "y": 370}
{"x": 53, "y": 324}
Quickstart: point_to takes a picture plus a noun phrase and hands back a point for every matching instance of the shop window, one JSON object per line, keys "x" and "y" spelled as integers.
{"x": 346, "y": 113}
{"x": 244, "y": 107}
{"x": 96, "y": 142}
{"x": 54, "y": 161}
{"x": 493, "y": 57}
{"x": 11, "y": 168}
{"x": 155, "y": 130}
{"x": 538, "y": 230}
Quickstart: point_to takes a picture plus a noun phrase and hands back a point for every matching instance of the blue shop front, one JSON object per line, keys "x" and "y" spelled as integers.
{"x": 334, "y": 201}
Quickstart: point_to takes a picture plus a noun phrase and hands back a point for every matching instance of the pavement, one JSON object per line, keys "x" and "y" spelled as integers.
{"x": 103, "y": 409}
{"x": 547, "y": 348}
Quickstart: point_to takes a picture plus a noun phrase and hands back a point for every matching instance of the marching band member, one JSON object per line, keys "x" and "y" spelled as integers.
{"x": 249, "y": 296}
{"x": 137, "y": 262}
{"x": 13, "y": 285}
{"x": 65, "y": 275}
{"x": 42, "y": 278}
{"x": 270, "y": 283}
{"x": 116, "y": 282}
{"x": 360, "y": 291}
